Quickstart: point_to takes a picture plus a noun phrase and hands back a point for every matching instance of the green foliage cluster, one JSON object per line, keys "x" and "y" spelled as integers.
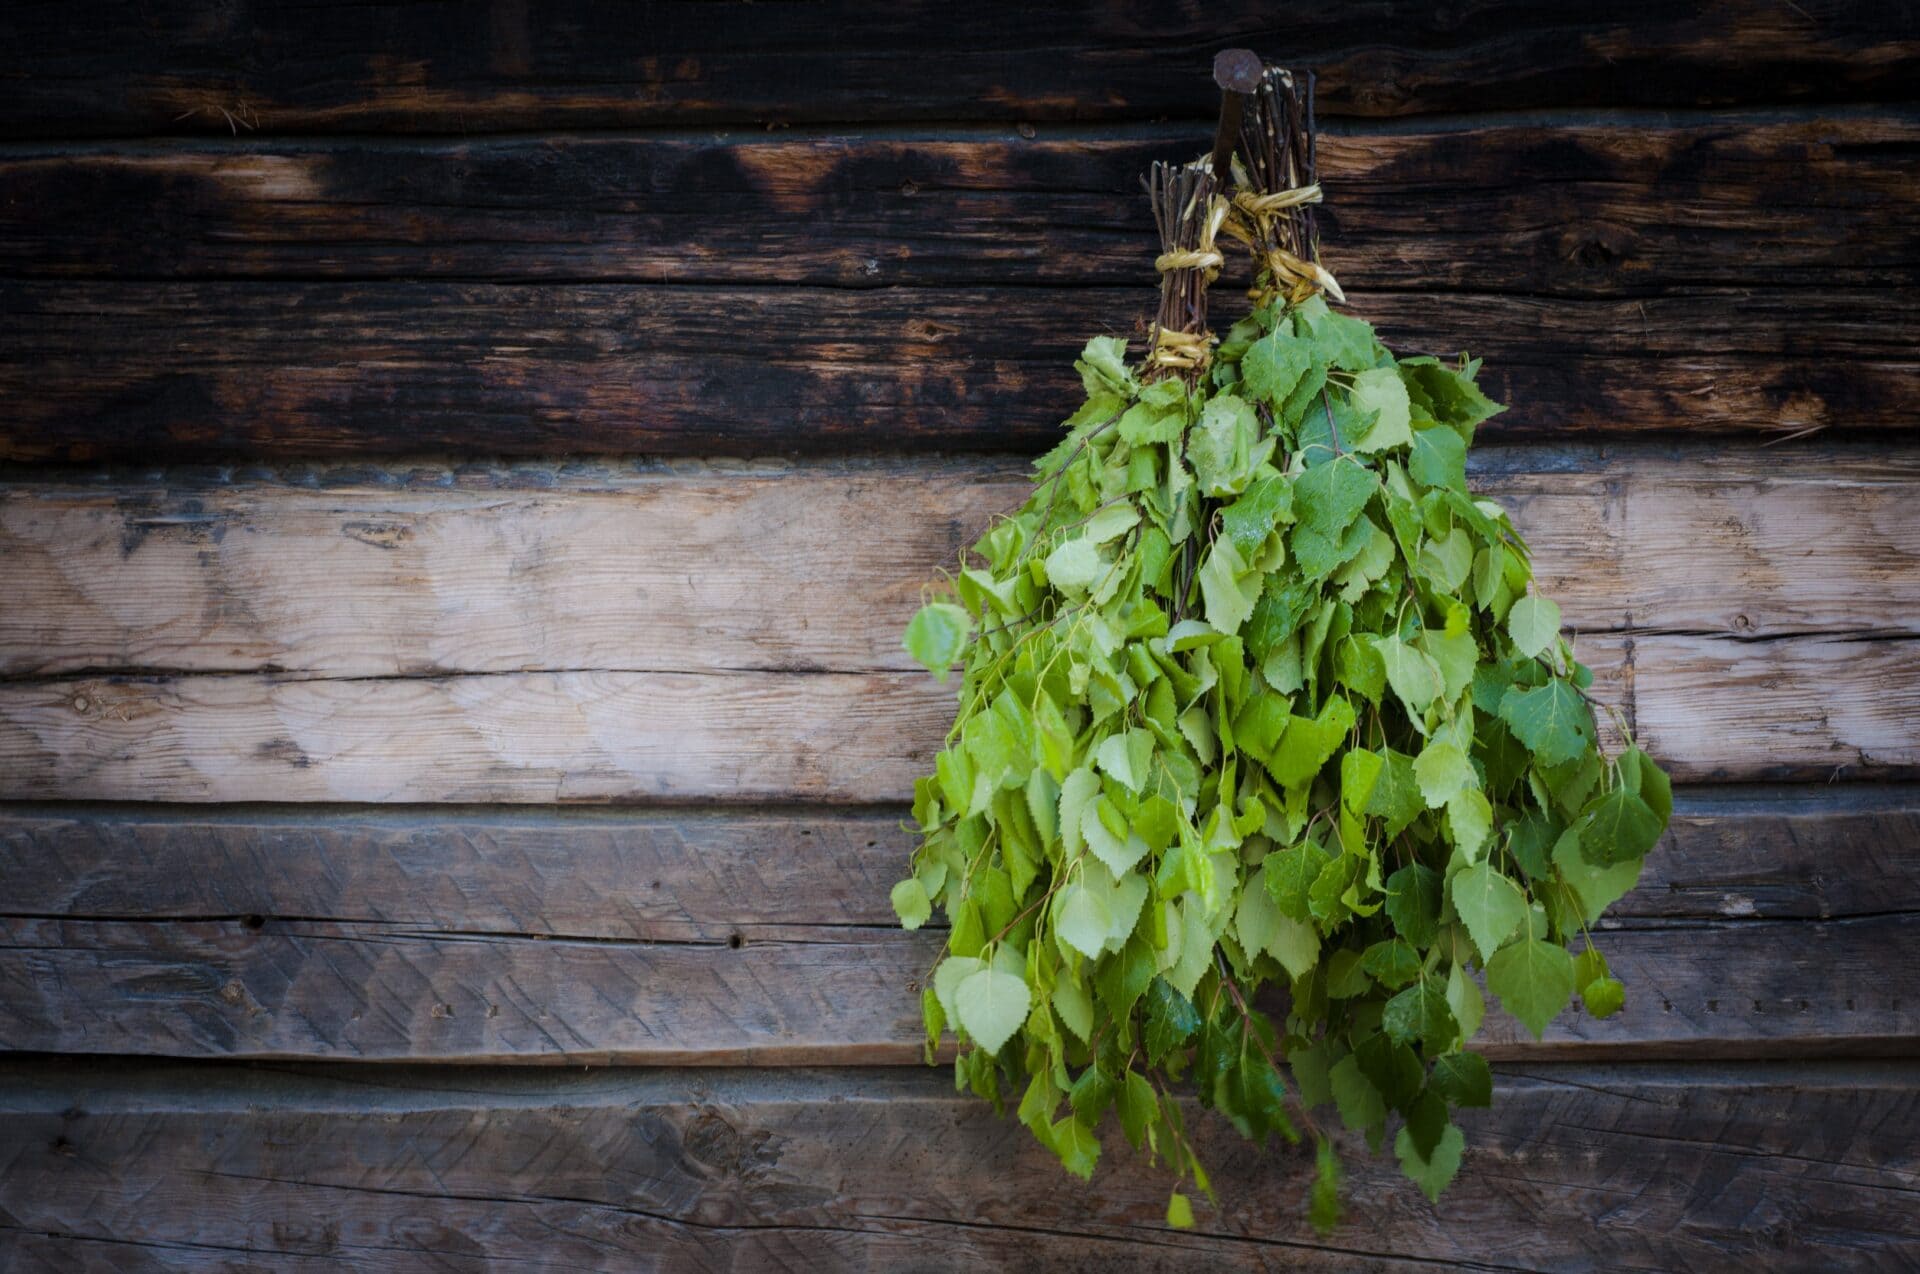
{"x": 1264, "y": 748}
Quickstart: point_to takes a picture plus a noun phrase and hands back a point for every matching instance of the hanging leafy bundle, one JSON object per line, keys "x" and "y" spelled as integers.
{"x": 1267, "y": 753}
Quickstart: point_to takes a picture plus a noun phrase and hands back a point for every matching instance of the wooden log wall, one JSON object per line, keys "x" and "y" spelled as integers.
{"x": 462, "y": 475}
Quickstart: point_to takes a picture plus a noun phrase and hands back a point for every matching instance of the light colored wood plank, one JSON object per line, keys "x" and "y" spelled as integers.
{"x": 1709, "y": 708}
{"x": 1667, "y": 1167}
{"x": 518, "y": 737}
{"x": 818, "y": 566}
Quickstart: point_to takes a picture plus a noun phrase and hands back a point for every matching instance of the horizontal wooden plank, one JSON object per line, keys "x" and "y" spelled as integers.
{"x": 1671, "y": 1167}
{"x": 553, "y": 568}
{"x": 521, "y": 737}
{"x": 692, "y": 875}
{"x": 179, "y": 67}
{"x": 106, "y": 371}
{"x": 1710, "y": 708}
{"x": 796, "y": 995}
{"x": 1633, "y": 205}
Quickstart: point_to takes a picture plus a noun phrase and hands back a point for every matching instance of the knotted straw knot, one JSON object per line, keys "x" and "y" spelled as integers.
{"x": 1279, "y": 201}
{"x": 1203, "y": 255}
{"x": 1181, "y": 351}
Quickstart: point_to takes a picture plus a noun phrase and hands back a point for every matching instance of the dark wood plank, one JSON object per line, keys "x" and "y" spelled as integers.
{"x": 1632, "y": 206}
{"x": 122, "y": 371}
{"x": 247, "y": 987}
{"x": 178, "y": 66}
{"x": 1670, "y": 1167}
{"x": 693, "y": 875}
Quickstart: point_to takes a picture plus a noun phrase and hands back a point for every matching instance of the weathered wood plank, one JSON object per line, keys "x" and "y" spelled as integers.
{"x": 1709, "y": 708}
{"x": 795, "y": 995}
{"x": 519, "y": 737}
{"x": 1623, "y": 207}
{"x": 689, "y": 875}
{"x": 1671, "y": 1167}
{"x": 431, "y": 570}
{"x": 178, "y": 67}
{"x": 100, "y": 370}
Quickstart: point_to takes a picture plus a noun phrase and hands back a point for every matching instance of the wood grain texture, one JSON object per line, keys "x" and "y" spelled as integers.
{"x": 1670, "y": 1167}
{"x": 127, "y": 371}
{"x": 702, "y": 875}
{"x": 517, "y": 737}
{"x": 430, "y": 570}
{"x": 178, "y": 67}
{"x": 1766, "y": 923}
{"x": 797, "y": 995}
{"x": 1709, "y": 708}
{"x": 1633, "y": 205}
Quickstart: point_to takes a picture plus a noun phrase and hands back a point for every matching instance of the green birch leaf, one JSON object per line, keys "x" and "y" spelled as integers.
{"x": 936, "y": 636}
{"x": 1617, "y": 827}
{"x": 1534, "y": 981}
{"x": 1441, "y": 770}
{"x": 1604, "y": 997}
{"x": 1420, "y": 1015}
{"x": 911, "y": 904}
{"x": 1552, "y": 720}
{"x": 1470, "y": 822}
{"x": 1533, "y": 623}
{"x": 1381, "y": 392}
{"x": 1431, "y": 1173}
{"x": 1273, "y": 365}
{"x": 1228, "y": 587}
{"x": 991, "y": 1006}
{"x": 1463, "y": 1079}
{"x": 1413, "y": 903}
{"x": 1075, "y": 566}
{"x": 1077, "y": 1146}
{"x": 1469, "y": 1007}
{"x": 1490, "y": 905}
{"x": 1179, "y": 1211}
{"x": 1438, "y": 458}
{"x": 1082, "y": 920}
{"x": 1075, "y": 1007}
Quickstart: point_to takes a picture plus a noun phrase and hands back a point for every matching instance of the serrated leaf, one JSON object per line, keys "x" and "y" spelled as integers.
{"x": 1470, "y": 822}
{"x": 1077, "y": 1146}
{"x": 1534, "y": 981}
{"x": 1604, "y": 997}
{"x": 1413, "y": 903}
{"x": 1075, "y": 566}
{"x": 1438, "y": 458}
{"x": 1463, "y": 1079}
{"x": 1083, "y": 919}
{"x": 1431, "y": 1173}
{"x": 911, "y": 904}
{"x": 1552, "y": 720}
{"x": 1228, "y": 587}
{"x": 1533, "y": 623}
{"x": 1273, "y": 365}
{"x": 1442, "y": 769}
{"x": 1464, "y": 999}
{"x": 991, "y": 1006}
{"x": 1075, "y": 1007}
{"x": 1379, "y": 390}
{"x": 1490, "y": 905}
{"x": 1179, "y": 1211}
{"x": 936, "y": 635}
{"x": 1618, "y": 827}
{"x": 1420, "y": 1014}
